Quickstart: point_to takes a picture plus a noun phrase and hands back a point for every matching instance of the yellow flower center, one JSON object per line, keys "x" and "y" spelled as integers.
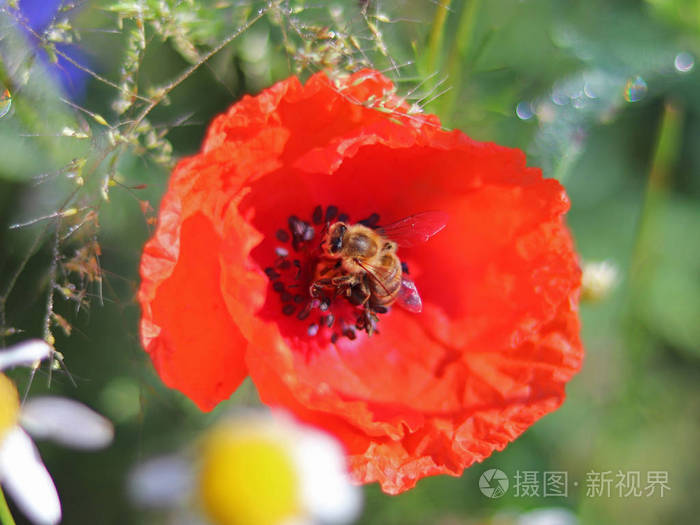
{"x": 9, "y": 404}
{"x": 247, "y": 479}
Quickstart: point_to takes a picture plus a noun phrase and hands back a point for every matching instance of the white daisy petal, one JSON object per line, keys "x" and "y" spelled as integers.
{"x": 66, "y": 422}
{"x": 325, "y": 484}
{"x": 26, "y": 480}
{"x": 548, "y": 516}
{"x": 161, "y": 482}
{"x": 24, "y": 353}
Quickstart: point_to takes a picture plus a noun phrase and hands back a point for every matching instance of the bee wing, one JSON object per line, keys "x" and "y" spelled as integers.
{"x": 415, "y": 229}
{"x": 408, "y": 297}
{"x": 375, "y": 272}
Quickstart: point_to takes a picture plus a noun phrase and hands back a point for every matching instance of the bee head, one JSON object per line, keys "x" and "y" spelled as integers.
{"x": 336, "y": 233}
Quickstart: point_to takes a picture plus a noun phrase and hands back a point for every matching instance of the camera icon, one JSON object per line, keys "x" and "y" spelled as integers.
{"x": 493, "y": 483}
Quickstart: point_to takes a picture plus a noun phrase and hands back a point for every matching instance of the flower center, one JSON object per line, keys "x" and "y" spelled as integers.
{"x": 319, "y": 287}
{"x": 248, "y": 478}
{"x": 9, "y": 404}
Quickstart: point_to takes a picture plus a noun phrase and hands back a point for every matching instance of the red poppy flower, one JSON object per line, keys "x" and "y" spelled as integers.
{"x": 226, "y": 278}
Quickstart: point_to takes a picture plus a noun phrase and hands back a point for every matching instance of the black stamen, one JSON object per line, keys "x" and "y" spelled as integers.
{"x": 404, "y": 267}
{"x": 317, "y": 215}
{"x": 309, "y": 232}
{"x": 325, "y": 304}
{"x": 271, "y": 273}
{"x": 334, "y": 338}
{"x": 329, "y": 320}
{"x": 288, "y": 309}
{"x": 350, "y": 333}
{"x": 331, "y": 212}
{"x": 295, "y": 226}
{"x": 312, "y": 330}
{"x": 282, "y": 236}
{"x": 370, "y": 221}
{"x": 278, "y": 286}
{"x": 298, "y": 298}
{"x": 343, "y": 217}
{"x": 281, "y": 252}
{"x": 303, "y": 314}
{"x": 284, "y": 265}
{"x": 287, "y": 297}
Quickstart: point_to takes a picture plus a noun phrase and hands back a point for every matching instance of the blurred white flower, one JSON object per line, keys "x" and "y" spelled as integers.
{"x": 598, "y": 280}
{"x": 548, "y": 516}
{"x": 255, "y": 469}
{"x": 22, "y": 473}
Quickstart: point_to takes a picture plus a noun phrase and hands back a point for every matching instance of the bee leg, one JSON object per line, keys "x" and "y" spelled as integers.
{"x": 342, "y": 280}
{"x": 367, "y": 321}
{"x": 358, "y": 294}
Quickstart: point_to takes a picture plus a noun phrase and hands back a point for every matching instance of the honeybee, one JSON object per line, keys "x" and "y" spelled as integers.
{"x": 361, "y": 263}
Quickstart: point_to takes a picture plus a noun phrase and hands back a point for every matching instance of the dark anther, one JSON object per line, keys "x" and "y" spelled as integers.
{"x": 381, "y": 309}
{"x": 325, "y": 304}
{"x": 281, "y": 252}
{"x": 278, "y": 286}
{"x": 309, "y": 232}
{"x": 317, "y": 215}
{"x": 296, "y": 226}
{"x": 343, "y": 217}
{"x": 350, "y": 333}
{"x": 334, "y": 338}
{"x": 284, "y": 265}
{"x": 271, "y": 273}
{"x": 287, "y": 297}
{"x": 312, "y": 330}
{"x": 298, "y": 298}
{"x": 329, "y": 320}
{"x": 297, "y": 263}
{"x": 288, "y": 309}
{"x": 331, "y": 212}
{"x": 404, "y": 267}
{"x": 303, "y": 314}
{"x": 370, "y": 221}
{"x": 282, "y": 236}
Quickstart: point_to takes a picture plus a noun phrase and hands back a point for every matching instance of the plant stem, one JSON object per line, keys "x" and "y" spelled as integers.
{"x": 437, "y": 34}
{"x": 665, "y": 156}
{"x": 5, "y": 514}
{"x": 457, "y": 69}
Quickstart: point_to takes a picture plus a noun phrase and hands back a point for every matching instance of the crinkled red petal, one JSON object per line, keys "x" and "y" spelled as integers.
{"x": 433, "y": 392}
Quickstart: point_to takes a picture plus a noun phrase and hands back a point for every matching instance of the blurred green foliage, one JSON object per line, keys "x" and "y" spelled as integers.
{"x": 602, "y": 95}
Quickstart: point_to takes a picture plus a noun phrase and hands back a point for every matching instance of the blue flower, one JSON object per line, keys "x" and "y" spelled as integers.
{"x": 38, "y": 16}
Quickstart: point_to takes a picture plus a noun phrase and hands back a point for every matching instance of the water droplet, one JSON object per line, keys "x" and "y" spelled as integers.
{"x": 589, "y": 90}
{"x": 635, "y": 89}
{"x": 559, "y": 98}
{"x": 684, "y": 62}
{"x": 5, "y": 102}
{"x": 524, "y": 111}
